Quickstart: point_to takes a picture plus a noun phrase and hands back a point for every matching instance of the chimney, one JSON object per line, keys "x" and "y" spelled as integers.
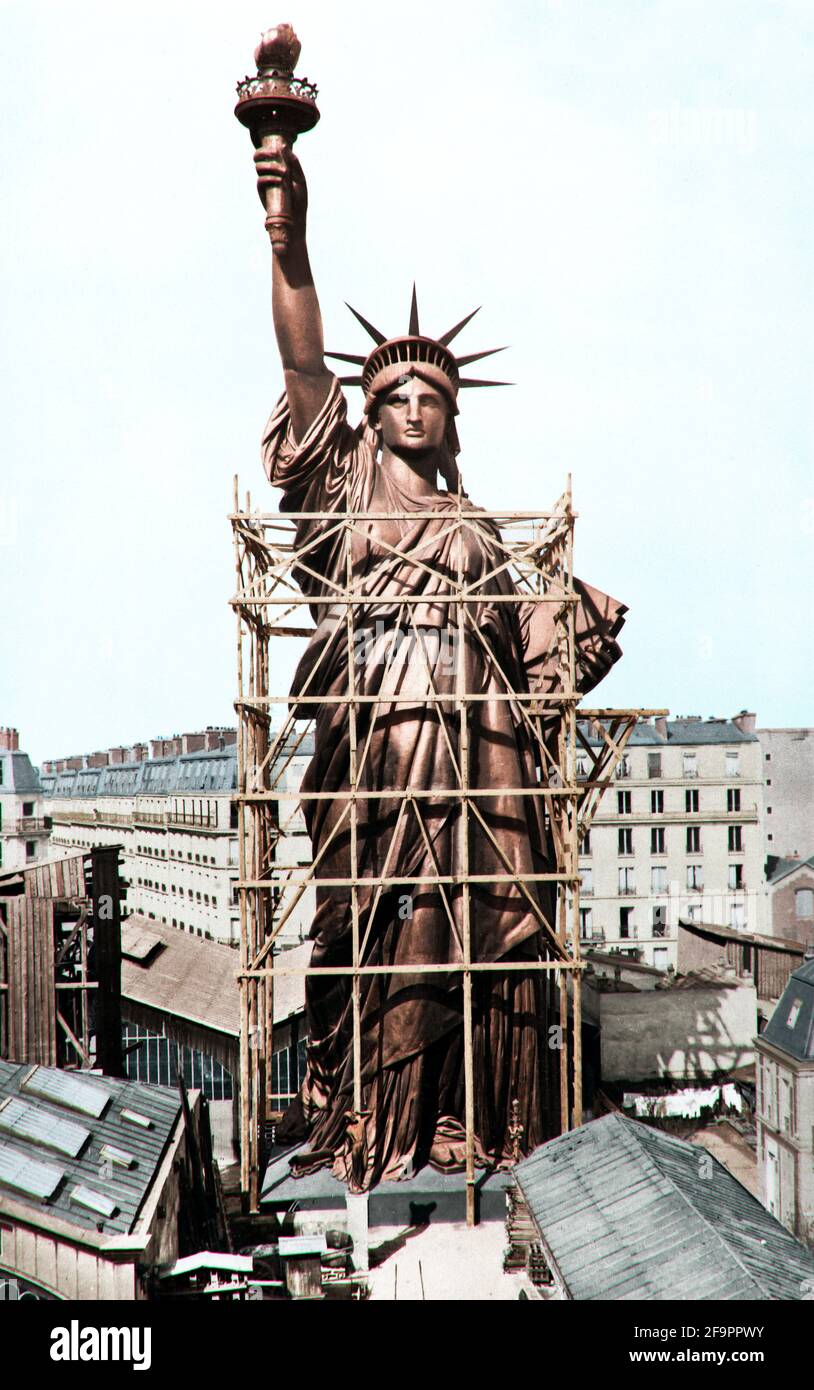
{"x": 156, "y": 747}
{"x": 74, "y": 764}
{"x": 48, "y": 768}
{"x": 117, "y": 755}
{"x": 138, "y": 753}
{"x": 661, "y": 725}
{"x": 745, "y": 721}
{"x": 9, "y": 740}
{"x": 193, "y": 743}
{"x": 97, "y": 760}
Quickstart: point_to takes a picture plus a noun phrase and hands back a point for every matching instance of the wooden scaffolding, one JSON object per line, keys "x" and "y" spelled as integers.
{"x": 536, "y": 553}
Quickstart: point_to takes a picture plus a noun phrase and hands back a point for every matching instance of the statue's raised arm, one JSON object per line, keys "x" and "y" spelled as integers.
{"x": 297, "y": 317}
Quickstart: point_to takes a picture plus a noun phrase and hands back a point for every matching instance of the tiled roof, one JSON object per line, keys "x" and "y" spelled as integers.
{"x": 628, "y": 1212}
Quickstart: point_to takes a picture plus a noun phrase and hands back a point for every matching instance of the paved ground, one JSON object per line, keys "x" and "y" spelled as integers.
{"x": 732, "y": 1150}
{"x": 452, "y": 1263}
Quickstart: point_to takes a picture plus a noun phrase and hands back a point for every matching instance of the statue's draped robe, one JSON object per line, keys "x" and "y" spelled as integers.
{"x": 411, "y": 1024}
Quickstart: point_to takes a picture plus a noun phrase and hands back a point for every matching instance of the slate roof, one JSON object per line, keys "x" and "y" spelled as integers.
{"x": 214, "y": 771}
{"x": 19, "y": 774}
{"x": 684, "y": 732}
{"x": 124, "y": 1187}
{"x": 784, "y": 867}
{"x": 791, "y": 1026}
{"x": 629, "y": 1212}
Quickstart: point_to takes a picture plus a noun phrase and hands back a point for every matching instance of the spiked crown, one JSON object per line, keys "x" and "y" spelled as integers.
{"x": 412, "y": 354}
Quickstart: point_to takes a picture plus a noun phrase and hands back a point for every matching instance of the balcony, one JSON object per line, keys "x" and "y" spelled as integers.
{"x": 150, "y": 818}
{"x": 33, "y": 825}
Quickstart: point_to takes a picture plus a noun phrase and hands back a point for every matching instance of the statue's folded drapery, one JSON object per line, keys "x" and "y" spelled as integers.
{"x": 412, "y": 1048}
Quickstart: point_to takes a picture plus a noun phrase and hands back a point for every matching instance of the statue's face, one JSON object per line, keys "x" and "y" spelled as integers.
{"x": 413, "y": 417}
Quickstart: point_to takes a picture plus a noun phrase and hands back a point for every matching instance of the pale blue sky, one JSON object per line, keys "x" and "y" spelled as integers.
{"x": 626, "y": 188}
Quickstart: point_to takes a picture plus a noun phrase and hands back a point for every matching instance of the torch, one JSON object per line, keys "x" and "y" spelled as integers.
{"x": 276, "y": 107}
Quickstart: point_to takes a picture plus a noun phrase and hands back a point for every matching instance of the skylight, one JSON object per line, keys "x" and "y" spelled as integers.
{"x": 93, "y": 1201}
{"x": 39, "y": 1126}
{"x": 28, "y": 1175}
{"x": 64, "y": 1089}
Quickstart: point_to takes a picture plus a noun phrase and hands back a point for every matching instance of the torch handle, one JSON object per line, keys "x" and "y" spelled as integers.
{"x": 279, "y": 219}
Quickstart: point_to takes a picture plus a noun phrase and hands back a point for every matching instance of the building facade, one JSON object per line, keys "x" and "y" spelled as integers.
{"x": 171, "y": 805}
{"x": 678, "y": 835}
{"x": 788, "y": 780}
{"x": 785, "y": 1106}
{"x": 24, "y": 827}
{"x": 790, "y": 898}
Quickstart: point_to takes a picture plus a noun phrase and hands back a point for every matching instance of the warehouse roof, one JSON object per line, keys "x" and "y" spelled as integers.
{"x": 791, "y": 1026}
{"x": 82, "y": 1147}
{"x": 629, "y": 1212}
{"x": 189, "y": 977}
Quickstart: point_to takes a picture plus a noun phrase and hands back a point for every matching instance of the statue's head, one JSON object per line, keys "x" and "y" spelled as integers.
{"x": 412, "y": 414}
{"x": 411, "y": 385}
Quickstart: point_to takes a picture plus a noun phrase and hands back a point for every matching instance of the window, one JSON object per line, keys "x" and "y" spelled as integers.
{"x": 582, "y": 768}
{"x": 585, "y": 848}
{"x": 695, "y": 913}
{"x": 794, "y": 1013}
{"x": 28, "y": 808}
{"x": 625, "y": 840}
{"x": 695, "y": 876}
{"x": 626, "y": 928}
{"x": 661, "y": 957}
{"x": 659, "y": 921}
{"x": 735, "y": 839}
{"x": 623, "y": 803}
{"x": 735, "y": 876}
{"x": 30, "y": 849}
{"x": 654, "y": 764}
{"x": 732, "y": 765}
{"x": 623, "y": 767}
{"x": 804, "y": 902}
{"x": 690, "y": 765}
{"x": 587, "y": 881}
{"x": 733, "y": 799}
{"x": 694, "y": 839}
{"x": 658, "y": 879}
{"x": 737, "y": 917}
{"x": 657, "y": 803}
{"x": 691, "y": 802}
{"x": 657, "y": 838}
{"x": 585, "y": 921}
{"x": 627, "y": 881}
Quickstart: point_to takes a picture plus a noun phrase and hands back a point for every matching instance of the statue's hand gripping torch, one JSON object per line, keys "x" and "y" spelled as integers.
{"x": 276, "y": 107}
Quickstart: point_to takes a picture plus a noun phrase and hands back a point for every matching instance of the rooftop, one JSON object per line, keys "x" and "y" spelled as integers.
{"x": 18, "y": 774}
{"x": 686, "y": 731}
{"x": 784, "y": 867}
{"x": 67, "y": 1146}
{"x": 167, "y": 969}
{"x": 791, "y": 1026}
{"x": 629, "y": 1213}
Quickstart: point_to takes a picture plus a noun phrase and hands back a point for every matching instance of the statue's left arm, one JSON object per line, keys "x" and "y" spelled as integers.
{"x": 598, "y": 621}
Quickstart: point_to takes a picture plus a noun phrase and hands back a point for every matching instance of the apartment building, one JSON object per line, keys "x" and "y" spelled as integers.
{"x": 24, "y": 827}
{"x": 170, "y": 804}
{"x": 679, "y": 834}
